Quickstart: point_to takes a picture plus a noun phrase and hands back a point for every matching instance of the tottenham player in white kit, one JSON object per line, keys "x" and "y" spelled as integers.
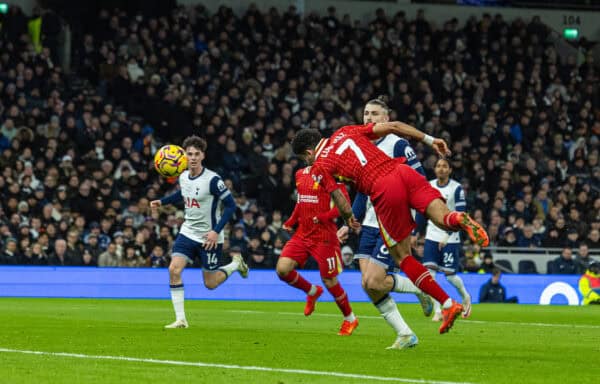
{"x": 201, "y": 191}
{"x": 442, "y": 249}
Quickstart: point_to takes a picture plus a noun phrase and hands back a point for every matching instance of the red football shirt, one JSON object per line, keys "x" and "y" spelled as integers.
{"x": 314, "y": 201}
{"x": 350, "y": 156}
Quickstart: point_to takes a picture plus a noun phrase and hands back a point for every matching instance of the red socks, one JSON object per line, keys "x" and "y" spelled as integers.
{"x": 341, "y": 299}
{"x": 421, "y": 277}
{"x": 295, "y": 280}
{"x": 452, "y": 221}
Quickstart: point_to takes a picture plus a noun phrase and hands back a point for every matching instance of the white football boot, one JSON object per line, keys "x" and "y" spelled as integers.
{"x": 181, "y": 323}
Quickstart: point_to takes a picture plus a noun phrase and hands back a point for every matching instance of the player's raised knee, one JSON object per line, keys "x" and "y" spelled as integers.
{"x": 373, "y": 284}
{"x": 209, "y": 284}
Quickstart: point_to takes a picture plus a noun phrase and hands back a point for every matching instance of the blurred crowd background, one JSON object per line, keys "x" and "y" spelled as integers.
{"x": 76, "y": 147}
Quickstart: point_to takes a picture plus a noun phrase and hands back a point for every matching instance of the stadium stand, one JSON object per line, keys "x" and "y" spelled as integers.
{"x": 76, "y": 146}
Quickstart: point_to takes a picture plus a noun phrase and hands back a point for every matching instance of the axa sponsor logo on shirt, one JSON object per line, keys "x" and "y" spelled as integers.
{"x": 191, "y": 203}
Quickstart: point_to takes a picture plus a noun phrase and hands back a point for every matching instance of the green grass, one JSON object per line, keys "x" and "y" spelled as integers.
{"x": 499, "y": 344}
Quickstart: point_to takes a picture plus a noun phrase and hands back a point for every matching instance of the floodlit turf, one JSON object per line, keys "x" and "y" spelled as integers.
{"x": 499, "y": 344}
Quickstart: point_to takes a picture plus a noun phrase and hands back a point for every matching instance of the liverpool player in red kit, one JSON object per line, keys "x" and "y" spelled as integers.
{"x": 394, "y": 188}
{"x": 316, "y": 235}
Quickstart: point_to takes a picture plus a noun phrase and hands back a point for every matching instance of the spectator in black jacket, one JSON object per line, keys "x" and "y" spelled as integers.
{"x": 9, "y": 254}
{"x": 60, "y": 256}
{"x": 565, "y": 264}
{"x": 494, "y": 292}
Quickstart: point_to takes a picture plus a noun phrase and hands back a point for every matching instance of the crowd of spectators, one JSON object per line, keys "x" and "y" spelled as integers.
{"x": 76, "y": 148}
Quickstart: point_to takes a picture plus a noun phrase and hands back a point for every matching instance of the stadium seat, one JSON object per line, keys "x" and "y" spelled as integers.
{"x": 527, "y": 267}
{"x": 504, "y": 265}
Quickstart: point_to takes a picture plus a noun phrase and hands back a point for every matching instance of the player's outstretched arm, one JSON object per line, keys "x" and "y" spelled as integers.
{"x": 171, "y": 199}
{"x": 401, "y": 129}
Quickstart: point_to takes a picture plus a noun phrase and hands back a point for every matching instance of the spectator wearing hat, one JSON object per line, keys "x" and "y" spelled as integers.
{"x": 589, "y": 284}
{"x": 93, "y": 246}
{"x": 348, "y": 258}
{"x": 259, "y": 259}
{"x": 510, "y": 238}
{"x": 552, "y": 239}
{"x": 572, "y": 240}
{"x": 487, "y": 264}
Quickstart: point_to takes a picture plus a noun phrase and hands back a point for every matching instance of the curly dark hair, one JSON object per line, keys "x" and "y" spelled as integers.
{"x": 194, "y": 141}
{"x": 305, "y": 139}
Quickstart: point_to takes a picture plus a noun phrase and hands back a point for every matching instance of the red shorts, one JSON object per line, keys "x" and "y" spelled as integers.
{"x": 394, "y": 195}
{"x": 328, "y": 256}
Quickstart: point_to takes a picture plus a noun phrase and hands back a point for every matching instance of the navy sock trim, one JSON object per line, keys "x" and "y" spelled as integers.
{"x": 224, "y": 271}
{"x": 384, "y": 298}
{"x": 393, "y": 281}
{"x": 175, "y": 286}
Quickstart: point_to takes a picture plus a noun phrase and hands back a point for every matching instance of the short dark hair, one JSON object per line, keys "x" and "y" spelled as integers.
{"x": 382, "y": 101}
{"x": 496, "y": 271}
{"x": 305, "y": 139}
{"x": 194, "y": 141}
{"x": 444, "y": 159}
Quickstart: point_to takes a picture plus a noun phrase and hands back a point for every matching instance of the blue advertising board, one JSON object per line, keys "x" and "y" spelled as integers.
{"x": 150, "y": 283}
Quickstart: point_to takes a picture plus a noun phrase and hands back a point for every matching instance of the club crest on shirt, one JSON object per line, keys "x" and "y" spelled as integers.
{"x": 316, "y": 181}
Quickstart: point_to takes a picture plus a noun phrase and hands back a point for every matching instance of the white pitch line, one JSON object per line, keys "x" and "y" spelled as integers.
{"x": 227, "y": 366}
{"x": 462, "y": 321}
{"x": 535, "y": 324}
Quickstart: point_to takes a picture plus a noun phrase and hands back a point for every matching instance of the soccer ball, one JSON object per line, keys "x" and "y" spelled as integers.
{"x": 170, "y": 161}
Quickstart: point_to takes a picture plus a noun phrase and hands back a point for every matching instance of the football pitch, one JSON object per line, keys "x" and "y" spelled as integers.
{"x": 123, "y": 341}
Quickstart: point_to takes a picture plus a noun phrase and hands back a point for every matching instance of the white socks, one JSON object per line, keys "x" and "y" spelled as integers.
{"x": 457, "y": 282}
{"x": 388, "y": 309}
{"x": 404, "y": 285}
{"x": 177, "y": 297}
{"x": 350, "y": 317}
{"x": 230, "y": 268}
{"x": 312, "y": 290}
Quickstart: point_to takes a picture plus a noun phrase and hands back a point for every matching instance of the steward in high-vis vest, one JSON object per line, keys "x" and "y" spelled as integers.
{"x": 589, "y": 284}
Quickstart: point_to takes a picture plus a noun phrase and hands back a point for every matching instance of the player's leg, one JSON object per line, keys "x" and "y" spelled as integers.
{"x": 421, "y": 277}
{"x": 213, "y": 273}
{"x": 438, "y": 212}
{"x": 294, "y": 254}
{"x": 183, "y": 251}
{"x": 394, "y": 281}
{"x": 406, "y": 186}
{"x": 450, "y": 260}
{"x": 391, "y": 202}
{"x": 378, "y": 286}
{"x": 366, "y": 245}
{"x": 329, "y": 260}
{"x": 428, "y": 201}
{"x": 432, "y": 257}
